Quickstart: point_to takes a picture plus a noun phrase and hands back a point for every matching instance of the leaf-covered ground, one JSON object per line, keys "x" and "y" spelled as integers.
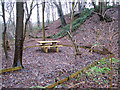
{"x": 41, "y": 69}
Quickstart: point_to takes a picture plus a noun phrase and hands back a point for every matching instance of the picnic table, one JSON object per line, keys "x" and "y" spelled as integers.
{"x": 45, "y": 45}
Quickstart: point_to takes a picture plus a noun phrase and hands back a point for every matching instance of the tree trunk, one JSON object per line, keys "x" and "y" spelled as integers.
{"x": 48, "y": 14}
{"x": 61, "y": 15}
{"x": 4, "y": 32}
{"x": 30, "y": 25}
{"x": 72, "y": 17}
{"x": 100, "y": 7}
{"x": 119, "y": 30}
{"x": 13, "y": 19}
{"x": 53, "y": 14}
{"x": 75, "y": 45}
{"x": 19, "y": 34}
{"x": 93, "y": 3}
{"x": 27, "y": 20}
{"x": 101, "y": 11}
{"x": 79, "y": 6}
{"x": 43, "y": 23}
{"x": 105, "y": 6}
{"x": 60, "y": 12}
{"x": 70, "y": 8}
{"x": 66, "y": 7}
{"x": 38, "y": 19}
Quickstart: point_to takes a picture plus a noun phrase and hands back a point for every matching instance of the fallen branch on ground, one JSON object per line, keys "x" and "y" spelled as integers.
{"x": 31, "y": 46}
{"x": 10, "y": 69}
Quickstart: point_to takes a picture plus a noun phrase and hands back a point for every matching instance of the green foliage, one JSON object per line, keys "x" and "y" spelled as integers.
{"x": 96, "y": 70}
{"x": 55, "y": 86}
{"x": 111, "y": 6}
{"x": 76, "y": 24}
{"x": 115, "y": 60}
{"x": 37, "y": 28}
{"x": 101, "y": 69}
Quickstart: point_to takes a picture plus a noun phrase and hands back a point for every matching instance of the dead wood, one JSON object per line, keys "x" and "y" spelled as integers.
{"x": 75, "y": 45}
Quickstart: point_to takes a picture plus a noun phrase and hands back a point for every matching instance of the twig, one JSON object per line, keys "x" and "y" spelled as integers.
{"x": 35, "y": 6}
{"x": 76, "y": 85}
{"x": 113, "y": 35}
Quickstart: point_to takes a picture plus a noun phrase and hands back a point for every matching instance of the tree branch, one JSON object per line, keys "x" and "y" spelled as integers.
{"x": 75, "y": 45}
{"x": 35, "y": 5}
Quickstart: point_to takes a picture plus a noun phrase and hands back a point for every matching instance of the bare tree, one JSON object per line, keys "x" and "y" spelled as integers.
{"x": 19, "y": 35}
{"x": 38, "y": 19}
{"x": 72, "y": 16}
{"x": 28, "y": 22}
{"x": 69, "y": 33}
{"x": 48, "y": 13}
{"x": 11, "y": 22}
{"x": 13, "y": 19}
{"x": 60, "y": 12}
{"x": 66, "y": 4}
{"x": 101, "y": 10}
{"x": 79, "y": 6}
{"x": 5, "y": 29}
{"x": 53, "y": 12}
{"x": 43, "y": 23}
{"x": 28, "y": 18}
{"x": 70, "y": 8}
{"x": 9, "y": 10}
{"x": 119, "y": 32}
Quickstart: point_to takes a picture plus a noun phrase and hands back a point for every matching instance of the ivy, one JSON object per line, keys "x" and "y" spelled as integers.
{"x": 76, "y": 24}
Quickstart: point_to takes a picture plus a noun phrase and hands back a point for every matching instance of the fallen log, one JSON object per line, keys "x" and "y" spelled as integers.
{"x": 10, "y": 69}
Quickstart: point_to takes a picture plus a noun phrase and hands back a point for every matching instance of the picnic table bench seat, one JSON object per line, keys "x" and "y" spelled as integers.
{"x": 45, "y": 47}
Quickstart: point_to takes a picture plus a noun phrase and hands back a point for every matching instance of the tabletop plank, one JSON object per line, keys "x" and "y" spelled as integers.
{"x": 48, "y": 41}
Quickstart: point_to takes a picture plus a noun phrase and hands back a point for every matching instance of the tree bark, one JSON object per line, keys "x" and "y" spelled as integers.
{"x": 38, "y": 19}
{"x": 4, "y": 32}
{"x": 75, "y": 45}
{"x": 72, "y": 16}
{"x": 43, "y": 23}
{"x": 119, "y": 32}
{"x": 100, "y": 7}
{"x": 19, "y": 35}
{"x": 48, "y": 14}
{"x": 60, "y": 12}
{"x": 70, "y": 8}
{"x": 53, "y": 14}
{"x": 93, "y": 3}
{"x": 79, "y": 6}
{"x": 28, "y": 18}
{"x": 66, "y": 7}
{"x": 101, "y": 11}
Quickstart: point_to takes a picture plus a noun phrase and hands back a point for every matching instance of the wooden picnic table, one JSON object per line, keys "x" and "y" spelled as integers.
{"x": 49, "y": 44}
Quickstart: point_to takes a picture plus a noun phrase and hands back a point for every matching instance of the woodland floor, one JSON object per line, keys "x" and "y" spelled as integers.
{"x": 41, "y": 69}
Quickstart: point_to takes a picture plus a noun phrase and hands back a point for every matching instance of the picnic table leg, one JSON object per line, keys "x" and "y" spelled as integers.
{"x": 46, "y": 49}
{"x": 41, "y": 48}
{"x": 57, "y": 49}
